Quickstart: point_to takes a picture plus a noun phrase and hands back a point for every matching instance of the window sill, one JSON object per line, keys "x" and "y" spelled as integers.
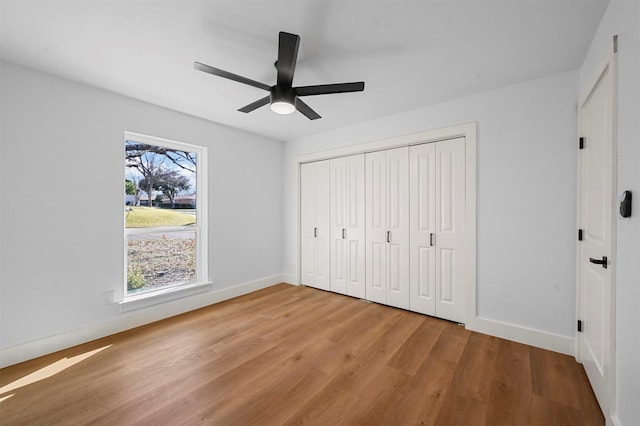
{"x": 148, "y": 299}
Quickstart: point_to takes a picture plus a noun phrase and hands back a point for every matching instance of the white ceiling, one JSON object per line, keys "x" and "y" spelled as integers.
{"x": 410, "y": 54}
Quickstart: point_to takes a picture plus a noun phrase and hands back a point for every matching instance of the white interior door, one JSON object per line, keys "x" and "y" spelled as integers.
{"x": 314, "y": 223}
{"x": 387, "y": 227}
{"x": 307, "y": 223}
{"x": 339, "y": 264}
{"x": 595, "y": 250}
{"x": 422, "y": 188}
{"x": 397, "y": 208}
{"x": 437, "y": 220}
{"x": 450, "y": 229}
{"x": 355, "y": 225}
{"x": 376, "y": 227}
{"x": 322, "y": 224}
{"x": 348, "y": 226}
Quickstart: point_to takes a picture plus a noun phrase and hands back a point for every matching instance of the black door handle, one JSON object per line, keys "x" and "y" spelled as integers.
{"x": 602, "y": 262}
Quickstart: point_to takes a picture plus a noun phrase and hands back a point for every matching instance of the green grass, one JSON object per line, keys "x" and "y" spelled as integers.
{"x": 151, "y": 217}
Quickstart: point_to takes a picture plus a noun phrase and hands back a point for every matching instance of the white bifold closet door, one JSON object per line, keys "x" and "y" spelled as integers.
{"x": 437, "y": 220}
{"x": 387, "y": 227}
{"x": 347, "y": 225}
{"x": 315, "y": 201}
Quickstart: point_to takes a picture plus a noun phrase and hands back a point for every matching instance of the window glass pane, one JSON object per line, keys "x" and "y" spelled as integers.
{"x": 160, "y": 259}
{"x": 160, "y": 216}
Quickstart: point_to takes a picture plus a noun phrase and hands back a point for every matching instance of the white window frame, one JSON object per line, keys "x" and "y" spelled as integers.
{"x": 202, "y": 283}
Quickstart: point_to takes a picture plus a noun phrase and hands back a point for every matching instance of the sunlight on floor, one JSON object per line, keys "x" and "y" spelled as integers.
{"x": 6, "y": 397}
{"x": 48, "y": 371}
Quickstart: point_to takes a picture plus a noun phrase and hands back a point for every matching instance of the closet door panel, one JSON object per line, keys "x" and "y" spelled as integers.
{"x": 422, "y": 219}
{"x": 450, "y": 229}
{"x": 355, "y": 225}
{"x": 397, "y": 208}
{"x": 447, "y": 274}
{"x": 376, "y": 229}
{"x": 323, "y": 242}
{"x": 339, "y": 266}
{"x": 307, "y": 223}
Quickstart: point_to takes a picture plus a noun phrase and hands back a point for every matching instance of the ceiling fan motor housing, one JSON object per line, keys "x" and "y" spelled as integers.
{"x": 282, "y": 99}
{"x": 283, "y": 94}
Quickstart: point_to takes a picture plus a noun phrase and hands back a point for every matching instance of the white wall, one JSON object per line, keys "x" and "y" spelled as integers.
{"x": 623, "y": 18}
{"x": 63, "y": 141}
{"x": 526, "y": 195}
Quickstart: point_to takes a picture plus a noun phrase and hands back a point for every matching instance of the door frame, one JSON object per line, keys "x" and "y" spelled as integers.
{"x": 466, "y": 130}
{"x": 609, "y": 64}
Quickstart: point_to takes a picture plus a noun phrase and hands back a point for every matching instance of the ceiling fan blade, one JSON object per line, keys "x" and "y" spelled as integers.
{"x": 230, "y": 76}
{"x": 325, "y": 89}
{"x": 255, "y": 105}
{"x": 306, "y": 110}
{"x": 287, "y": 57}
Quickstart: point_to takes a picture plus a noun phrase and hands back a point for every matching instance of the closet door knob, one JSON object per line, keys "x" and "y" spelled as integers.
{"x": 388, "y": 236}
{"x": 602, "y": 262}
{"x": 344, "y": 233}
{"x": 431, "y": 240}
{"x": 315, "y": 232}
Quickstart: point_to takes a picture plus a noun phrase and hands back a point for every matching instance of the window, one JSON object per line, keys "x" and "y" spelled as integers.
{"x": 165, "y": 216}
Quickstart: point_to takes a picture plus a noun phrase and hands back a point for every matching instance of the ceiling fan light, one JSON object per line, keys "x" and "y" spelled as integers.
{"x": 283, "y": 100}
{"x": 282, "y": 107}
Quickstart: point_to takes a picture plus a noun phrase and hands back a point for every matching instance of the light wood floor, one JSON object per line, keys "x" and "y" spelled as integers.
{"x": 291, "y": 355}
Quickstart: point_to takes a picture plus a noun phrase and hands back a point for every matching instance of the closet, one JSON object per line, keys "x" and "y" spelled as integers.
{"x": 389, "y": 226}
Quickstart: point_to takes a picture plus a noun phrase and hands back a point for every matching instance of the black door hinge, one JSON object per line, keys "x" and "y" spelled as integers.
{"x": 579, "y": 234}
{"x": 581, "y": 143}
{"x": 579, "y": 326}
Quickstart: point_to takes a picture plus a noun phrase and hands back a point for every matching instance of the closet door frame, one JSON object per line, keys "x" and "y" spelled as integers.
{"x": 468, "y": 131}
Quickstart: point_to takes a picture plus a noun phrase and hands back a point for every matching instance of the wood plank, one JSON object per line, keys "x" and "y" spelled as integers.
{"x": 458, "y": 410}
{"x": 328, "y": 407}
{"x": 410, "y": 355}
{"x": 551, "y": 375}
{"x": 549, "y": 412}
{"x": 365, "y": 332}
{"x": 476, "y": 368}
{"x": 510, "y": 396}
{"x": 384, "y": 389}
{"x": 293, "y": 390}
{"x": 451, "y": 343}
{"x": 422, "y": 399}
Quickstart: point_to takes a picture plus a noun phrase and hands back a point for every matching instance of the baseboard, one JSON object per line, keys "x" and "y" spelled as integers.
{"x": 528, "y": 336}
{"x": 614, "y": 420}
{"x": 33, "y": 349}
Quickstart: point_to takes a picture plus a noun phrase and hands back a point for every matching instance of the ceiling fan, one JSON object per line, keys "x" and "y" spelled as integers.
{"x": 283, "y": 98}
